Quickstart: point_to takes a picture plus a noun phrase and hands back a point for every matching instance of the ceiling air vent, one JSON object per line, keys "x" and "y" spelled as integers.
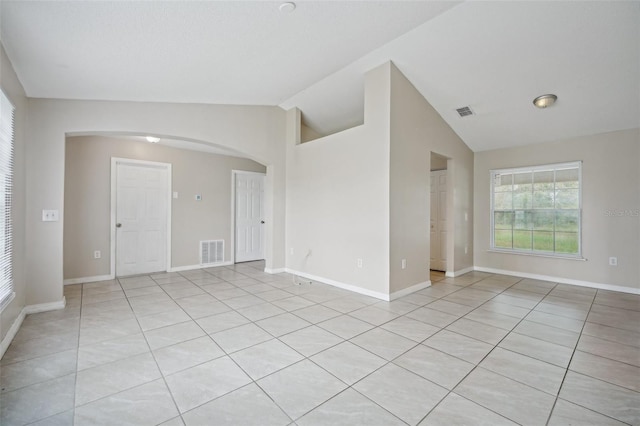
{"x": 464, "y": 111}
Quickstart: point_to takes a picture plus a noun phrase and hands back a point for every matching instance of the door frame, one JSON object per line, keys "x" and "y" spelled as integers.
{"x": 232, "y": 248}
{"x": 449, "y": 270}
{"x": 114, "y": 186}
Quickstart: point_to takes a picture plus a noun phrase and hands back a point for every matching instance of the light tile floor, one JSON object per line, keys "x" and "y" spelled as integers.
{"x": 237, "y": 346}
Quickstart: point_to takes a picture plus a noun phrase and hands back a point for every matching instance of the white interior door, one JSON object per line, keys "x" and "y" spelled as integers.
{"x": 249, "y": 208}
{"x": 141, "y": 218}
{"x": 439, "y": 220}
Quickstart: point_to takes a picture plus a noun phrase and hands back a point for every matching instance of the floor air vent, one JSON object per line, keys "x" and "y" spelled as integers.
{"x": 211, "y": 252}
{"x": 464, "y": 111}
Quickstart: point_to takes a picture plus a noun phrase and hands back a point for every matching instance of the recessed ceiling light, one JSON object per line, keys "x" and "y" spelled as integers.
{"x": 545, "y": 100}
{"x": 153, "y": 139}
{"x": 287, "y": 7}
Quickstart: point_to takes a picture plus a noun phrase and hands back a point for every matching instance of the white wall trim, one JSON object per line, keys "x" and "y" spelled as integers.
{"x": 45, "y": 307}
{"x": 559, "y": 280}
{"x": 338, "y": 284}
{"x": 83, "y": 280}
{"x": 11, "y": 333}
{"x": 17, "y": 323}
{"x": 416, "y": 287}
{"x": 453, "y": 274}
{"x": 194, "y": 267}
{"x": 275, "y": 270}
{"x": 114, "y": 182}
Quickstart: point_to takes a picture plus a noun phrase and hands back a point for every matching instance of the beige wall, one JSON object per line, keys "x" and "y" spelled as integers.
{"x": 87, "y": 200}
{"x": 13, "y": 89}
{"x": 338, "y": 196}
{"x": 257, "y": 132}
{"x": 610, "y": 183}
{"x": 417, "y": 130}
{"x": 364, "y": 193}
{"x": 438, "y": 162}
{"x": 307, "y": 133}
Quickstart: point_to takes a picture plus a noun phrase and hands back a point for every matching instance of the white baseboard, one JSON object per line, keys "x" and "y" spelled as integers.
{"x": 44, "y": 307}
{"x": 29, "y": 309}
{"x": 338, "y": 284}
{"x": 416, "y": 287}
{"x": 11, "y": 333}
{"x": 275, "y": 270}
{"x": 559, "y": 280}
{"x": 453, "y": 274}
{"x": 194, "y": 267}
{"x": 84, "y": 280}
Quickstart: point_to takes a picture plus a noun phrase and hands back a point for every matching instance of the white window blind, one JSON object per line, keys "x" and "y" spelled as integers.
{"x": 6, "y": 187}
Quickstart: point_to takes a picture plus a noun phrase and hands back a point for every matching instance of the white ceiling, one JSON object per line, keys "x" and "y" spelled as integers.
{"x": 494, "y": 56}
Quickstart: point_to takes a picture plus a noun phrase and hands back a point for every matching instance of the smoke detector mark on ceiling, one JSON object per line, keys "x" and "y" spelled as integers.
{"x": 464, "y": 111}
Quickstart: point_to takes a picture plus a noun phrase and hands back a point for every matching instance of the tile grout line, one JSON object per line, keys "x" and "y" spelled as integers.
{"x": 566, "y": 372}
{"x": 478, "y": 363}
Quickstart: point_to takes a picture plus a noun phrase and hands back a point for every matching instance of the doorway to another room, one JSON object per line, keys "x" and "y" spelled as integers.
{"x": 249, "y": 216}
{"x": 438, "y": 226}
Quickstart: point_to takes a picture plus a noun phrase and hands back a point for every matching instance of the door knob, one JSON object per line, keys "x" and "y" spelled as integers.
{"x": 118, "y": 225}
{"x": 262, "y": 221}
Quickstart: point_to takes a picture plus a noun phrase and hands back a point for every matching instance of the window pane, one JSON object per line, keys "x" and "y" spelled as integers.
{"x": 522, "y": 197}
{"x": 567, "y": 199}
{"x": 522, "y": 178}
{"x": 503, "y": 182}
{"x": 543, "y": 220}
{"x": 567, "y": 220}
{"x": 543, "y": 189}
{"x": 543, "y": 240}
{"x": 567, "y": 242}
{"x": 523, "y": 220}
{"x": 502, "y": 201}
{"x": 537, "y": 209}
{"x": 503, "y": 220}
{"x": 522, "y": 240}
{"x": 568, "y": 178}
{"x": 543, "y": 179}
{"x": 502, "y": 238}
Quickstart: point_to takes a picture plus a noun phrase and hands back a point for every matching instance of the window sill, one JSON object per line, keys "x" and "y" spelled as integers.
{"x": 550, "y": 256}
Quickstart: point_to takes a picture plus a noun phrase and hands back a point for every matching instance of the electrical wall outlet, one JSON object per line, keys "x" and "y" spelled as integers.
{"x": 97, "y": 254}
{"x": 613, "y": 261}
{"x": 50, "y": 216}
{"x": 359, "y": 263}
{"x": 404, "y": 263}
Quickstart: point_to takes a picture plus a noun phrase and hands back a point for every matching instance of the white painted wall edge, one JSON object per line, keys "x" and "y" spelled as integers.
{"x": 83, "y": 280}
{"x": 409, "y": 290}
{"x": 29, "y": 309}
{"x": 338, "y": 284}
{"x": 194, "y": 267}
{"x": 559, "y": 280}
{"x": 274, "y": 271}
{"x": 453, "y": 274}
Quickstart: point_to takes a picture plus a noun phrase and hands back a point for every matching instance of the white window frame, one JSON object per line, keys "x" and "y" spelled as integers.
{"x": 7, "y": 113}
{"x": 532, "y": 252}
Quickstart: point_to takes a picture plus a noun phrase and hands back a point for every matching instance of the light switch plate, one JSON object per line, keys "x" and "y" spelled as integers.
{"x": 50, "y": 216}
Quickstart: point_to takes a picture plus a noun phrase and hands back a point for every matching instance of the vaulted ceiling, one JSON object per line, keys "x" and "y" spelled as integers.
{"x": 492, "y": 56}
